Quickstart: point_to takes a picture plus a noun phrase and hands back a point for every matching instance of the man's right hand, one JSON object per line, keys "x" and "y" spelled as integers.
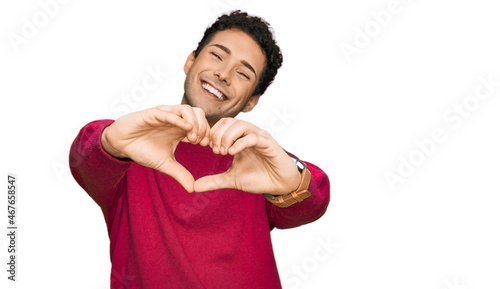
{"x": 150, "y": 137}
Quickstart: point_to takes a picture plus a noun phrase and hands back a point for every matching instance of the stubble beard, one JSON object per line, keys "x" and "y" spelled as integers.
{"x": 212, "y": 115}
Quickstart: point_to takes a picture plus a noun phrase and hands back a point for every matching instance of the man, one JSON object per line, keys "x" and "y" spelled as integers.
{"x": 181, "y": 187}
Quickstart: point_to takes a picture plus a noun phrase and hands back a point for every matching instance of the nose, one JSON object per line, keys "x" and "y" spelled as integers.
{"x": 223, "y": 74}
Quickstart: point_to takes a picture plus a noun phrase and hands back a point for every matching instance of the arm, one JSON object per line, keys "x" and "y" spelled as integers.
{"x": 97, "y": 172}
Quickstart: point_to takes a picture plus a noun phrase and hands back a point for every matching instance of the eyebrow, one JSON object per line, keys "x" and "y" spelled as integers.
{"x": 228, "y": 51}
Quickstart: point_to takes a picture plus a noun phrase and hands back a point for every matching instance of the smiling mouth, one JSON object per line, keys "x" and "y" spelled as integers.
{"x": 212, "y": 90}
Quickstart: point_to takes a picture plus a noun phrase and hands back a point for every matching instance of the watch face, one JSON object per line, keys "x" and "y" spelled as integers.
{"x": 300, "y": 165}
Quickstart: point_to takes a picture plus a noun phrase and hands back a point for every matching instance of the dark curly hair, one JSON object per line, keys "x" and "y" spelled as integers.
{"x": 260, "y": 31}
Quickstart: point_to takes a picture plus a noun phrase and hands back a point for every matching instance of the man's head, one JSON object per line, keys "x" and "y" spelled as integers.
{"x": 237, "y": 57}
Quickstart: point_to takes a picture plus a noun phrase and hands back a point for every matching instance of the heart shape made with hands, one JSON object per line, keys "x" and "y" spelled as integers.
{"x": 259, "y": 164}
{"x": 248, "y": 168}
{"x": 150, "y": 138}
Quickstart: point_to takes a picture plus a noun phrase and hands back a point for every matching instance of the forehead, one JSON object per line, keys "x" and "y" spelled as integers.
{"x": 242, "y": 47}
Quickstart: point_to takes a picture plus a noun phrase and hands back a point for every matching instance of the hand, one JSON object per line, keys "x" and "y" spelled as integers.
{"x": 150, "y": 137}
{"x": 259, "y": 166}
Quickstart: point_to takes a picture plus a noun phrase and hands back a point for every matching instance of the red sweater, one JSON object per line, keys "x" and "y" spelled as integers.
{"x": 163, "y": 237}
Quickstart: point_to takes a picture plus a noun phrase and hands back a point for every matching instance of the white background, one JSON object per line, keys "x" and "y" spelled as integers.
{"x": 356, "y": 116}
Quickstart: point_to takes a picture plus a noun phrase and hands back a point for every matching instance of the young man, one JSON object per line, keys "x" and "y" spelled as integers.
{"x": 189, "y": 193}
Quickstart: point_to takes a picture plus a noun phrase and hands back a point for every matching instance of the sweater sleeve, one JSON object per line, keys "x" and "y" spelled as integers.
{"x": 307, "y": 211}
{"x": 97, "y": 172}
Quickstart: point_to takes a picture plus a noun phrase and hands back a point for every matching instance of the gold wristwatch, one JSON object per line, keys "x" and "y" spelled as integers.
{"x": 296, "y": 196}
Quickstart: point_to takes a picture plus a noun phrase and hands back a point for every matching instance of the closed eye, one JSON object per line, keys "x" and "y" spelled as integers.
{"x": 216, "y": 55}
{"x": 244, "y": 75}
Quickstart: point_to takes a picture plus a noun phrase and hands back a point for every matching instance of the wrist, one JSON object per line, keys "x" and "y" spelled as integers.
{"x": 297, "y": 181}
{"x": 107, "y": 147}
{"x": 293, "y": 182}
{"x": 298, "y": 195}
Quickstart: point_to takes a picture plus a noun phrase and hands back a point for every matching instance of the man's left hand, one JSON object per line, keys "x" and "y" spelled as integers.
{"x": 259, "y": 166}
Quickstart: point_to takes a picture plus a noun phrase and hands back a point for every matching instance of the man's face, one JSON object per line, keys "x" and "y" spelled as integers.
{"x": 222, "y": 78}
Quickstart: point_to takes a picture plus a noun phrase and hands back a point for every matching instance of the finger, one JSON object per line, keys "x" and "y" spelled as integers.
{"x": 179, "y": 173}
{"x": 162, "y": 117}
{"x": 184, "y": 112}
{"x": 240, "y": 144}
{"x": 215, "y": 128}
{"x": 205, "y": 141}
{"x": 203, "y": 126}
{"x": 235, "y": 132}
{"x": 214, "y": 182}
{"x": 188, "y": 114}
{"x": 217, "y": 131}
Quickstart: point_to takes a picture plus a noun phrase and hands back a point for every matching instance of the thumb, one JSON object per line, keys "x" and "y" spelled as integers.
{"x": 214, "y": 182}
{"x": 179, "y": 173}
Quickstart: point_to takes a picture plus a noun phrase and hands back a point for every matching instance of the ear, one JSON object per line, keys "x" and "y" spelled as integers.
{"x": 251, "y": 103}
{"x": 189, "y": 62}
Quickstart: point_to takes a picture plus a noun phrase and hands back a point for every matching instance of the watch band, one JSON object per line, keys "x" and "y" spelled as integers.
{"x": 296, "y": 196}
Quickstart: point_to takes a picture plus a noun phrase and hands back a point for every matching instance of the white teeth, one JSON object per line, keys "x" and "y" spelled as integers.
{"x": 213, "y": 91}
